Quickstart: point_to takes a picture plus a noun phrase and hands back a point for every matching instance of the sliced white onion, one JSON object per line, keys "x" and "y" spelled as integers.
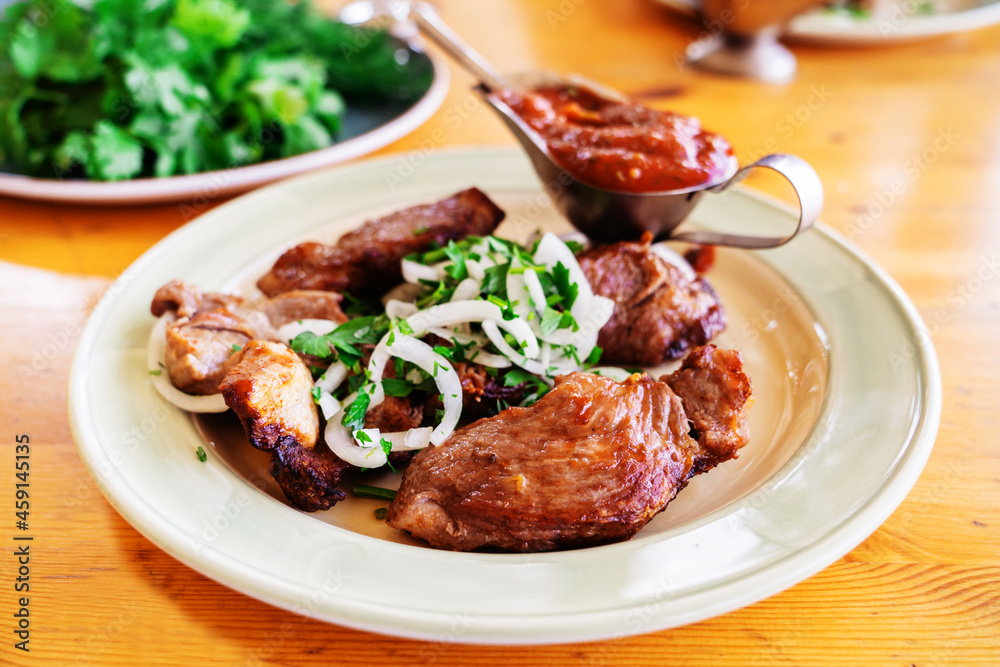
{"x": 491, "y": 329}
{"x": 670, "y": 256}
{"x": 415, "y": 438}
{"x": 414, "y": 272}
{"x": 155, "y": 360}
{"x": 287, "y": 332}
{"x": 615, "y": 373}
{"x": 328, "y": 405}
{"x": 545, "y": 358}
{"x": 477, "y": 310}
{"x": 475, "y": 269}
{"x": 341, "y": 441}
{"x": 551, "y": 251}
{"x": 484, "y": 358}
{"x": 578, "y": 237}
{"x": 399, "y": 310}
{"x": 460, "y": 336}
{"x": 405, "y": 292}
{"x": 517, "y": 293}
{"x": 535, "y": 291}
{"x": 423, "y": 356}
{"x": 465, "y": 290}
{"x": 332, "y": 377}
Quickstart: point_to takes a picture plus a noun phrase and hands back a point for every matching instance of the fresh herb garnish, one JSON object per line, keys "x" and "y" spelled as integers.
{"x": 381, "y": 513}
{"x": 354, "y": 415}
{"x": 342, "y": 342}
{"x": 373, "y": 492}
{"x": 567, "y": 288}
{"x": 396, "y": 387}
{"x": 200, "y": 452}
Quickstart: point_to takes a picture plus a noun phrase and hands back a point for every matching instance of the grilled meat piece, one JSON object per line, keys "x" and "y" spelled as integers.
{"x": 591, "y": 462}
{"x": 716, "y": 394}
{"x": 301, "y": 305}
{"x": 394, "y": 414}
{"x": 202, "y": 348}
{"x": 367, "y": 260}
{"x": 186, "y": 299}
{"x": 659, "y": 311}
{"x": 202, "y": 344}
{"x": 270, "y": 390}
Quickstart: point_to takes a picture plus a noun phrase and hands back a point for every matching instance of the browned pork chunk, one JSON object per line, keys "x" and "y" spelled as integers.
{"x": 270, "y": 390}
{"x": 367, "y": 260}
{"x": 212, "y": 327}
{"x": 660, "y": 312}
{"x": 591, "y": 462}
{"x": 716, "y": 394}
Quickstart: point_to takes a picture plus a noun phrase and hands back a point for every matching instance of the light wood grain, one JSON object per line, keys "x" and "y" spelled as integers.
{"x": 922, "y": 590}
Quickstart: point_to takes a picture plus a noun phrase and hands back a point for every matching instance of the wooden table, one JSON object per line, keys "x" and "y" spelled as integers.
{"x": 907, "y": 140}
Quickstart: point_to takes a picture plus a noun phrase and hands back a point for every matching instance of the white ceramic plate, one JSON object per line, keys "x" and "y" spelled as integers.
{"x": 901, "y": 24}
{"x": 366, "y": 129}
{"x": 847, "y": 403}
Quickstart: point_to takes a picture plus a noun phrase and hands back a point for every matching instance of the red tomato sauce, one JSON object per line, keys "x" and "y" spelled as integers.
{"x": 622, "y": 146}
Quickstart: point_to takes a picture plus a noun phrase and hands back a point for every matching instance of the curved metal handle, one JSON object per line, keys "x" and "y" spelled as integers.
{"x": 808, "y": 189}
{"x": 438, "y": 31}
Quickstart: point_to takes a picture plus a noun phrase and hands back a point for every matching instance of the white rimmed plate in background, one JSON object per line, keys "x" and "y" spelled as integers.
{"x": 905, "y": 23}
{"x": 366, "y": 129}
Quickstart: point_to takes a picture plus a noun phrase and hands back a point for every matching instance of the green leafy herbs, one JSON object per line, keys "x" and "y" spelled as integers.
{"x": 117, "y": 89}
{"x": 354, "y": 415}
{"x": 342, "y": 343}
{"x": 200, "y": 453}
{"x": 373, "y": 492}
{"x": 535, "y": 388}
{"x": 396, "y": 387}
{"x": 567, "y": 288}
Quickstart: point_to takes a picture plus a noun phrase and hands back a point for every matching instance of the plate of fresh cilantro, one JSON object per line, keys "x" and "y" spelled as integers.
{"x": 143, "y": 101}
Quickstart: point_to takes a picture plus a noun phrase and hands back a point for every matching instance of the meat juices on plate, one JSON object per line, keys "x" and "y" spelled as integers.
{"x": 590, "y": 463}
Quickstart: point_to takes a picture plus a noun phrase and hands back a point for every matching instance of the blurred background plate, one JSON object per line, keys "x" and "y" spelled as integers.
{"x": 366, "y": 129}
{"x": 908, "y": 21}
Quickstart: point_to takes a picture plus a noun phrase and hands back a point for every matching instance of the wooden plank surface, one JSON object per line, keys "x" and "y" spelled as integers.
{"x": 907, "y": 141}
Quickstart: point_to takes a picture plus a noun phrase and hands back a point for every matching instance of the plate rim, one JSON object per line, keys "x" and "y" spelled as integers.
{"x": 224, "y": 182}
{"x": 864, "y": 520}
{"x": 861, "y": 33}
